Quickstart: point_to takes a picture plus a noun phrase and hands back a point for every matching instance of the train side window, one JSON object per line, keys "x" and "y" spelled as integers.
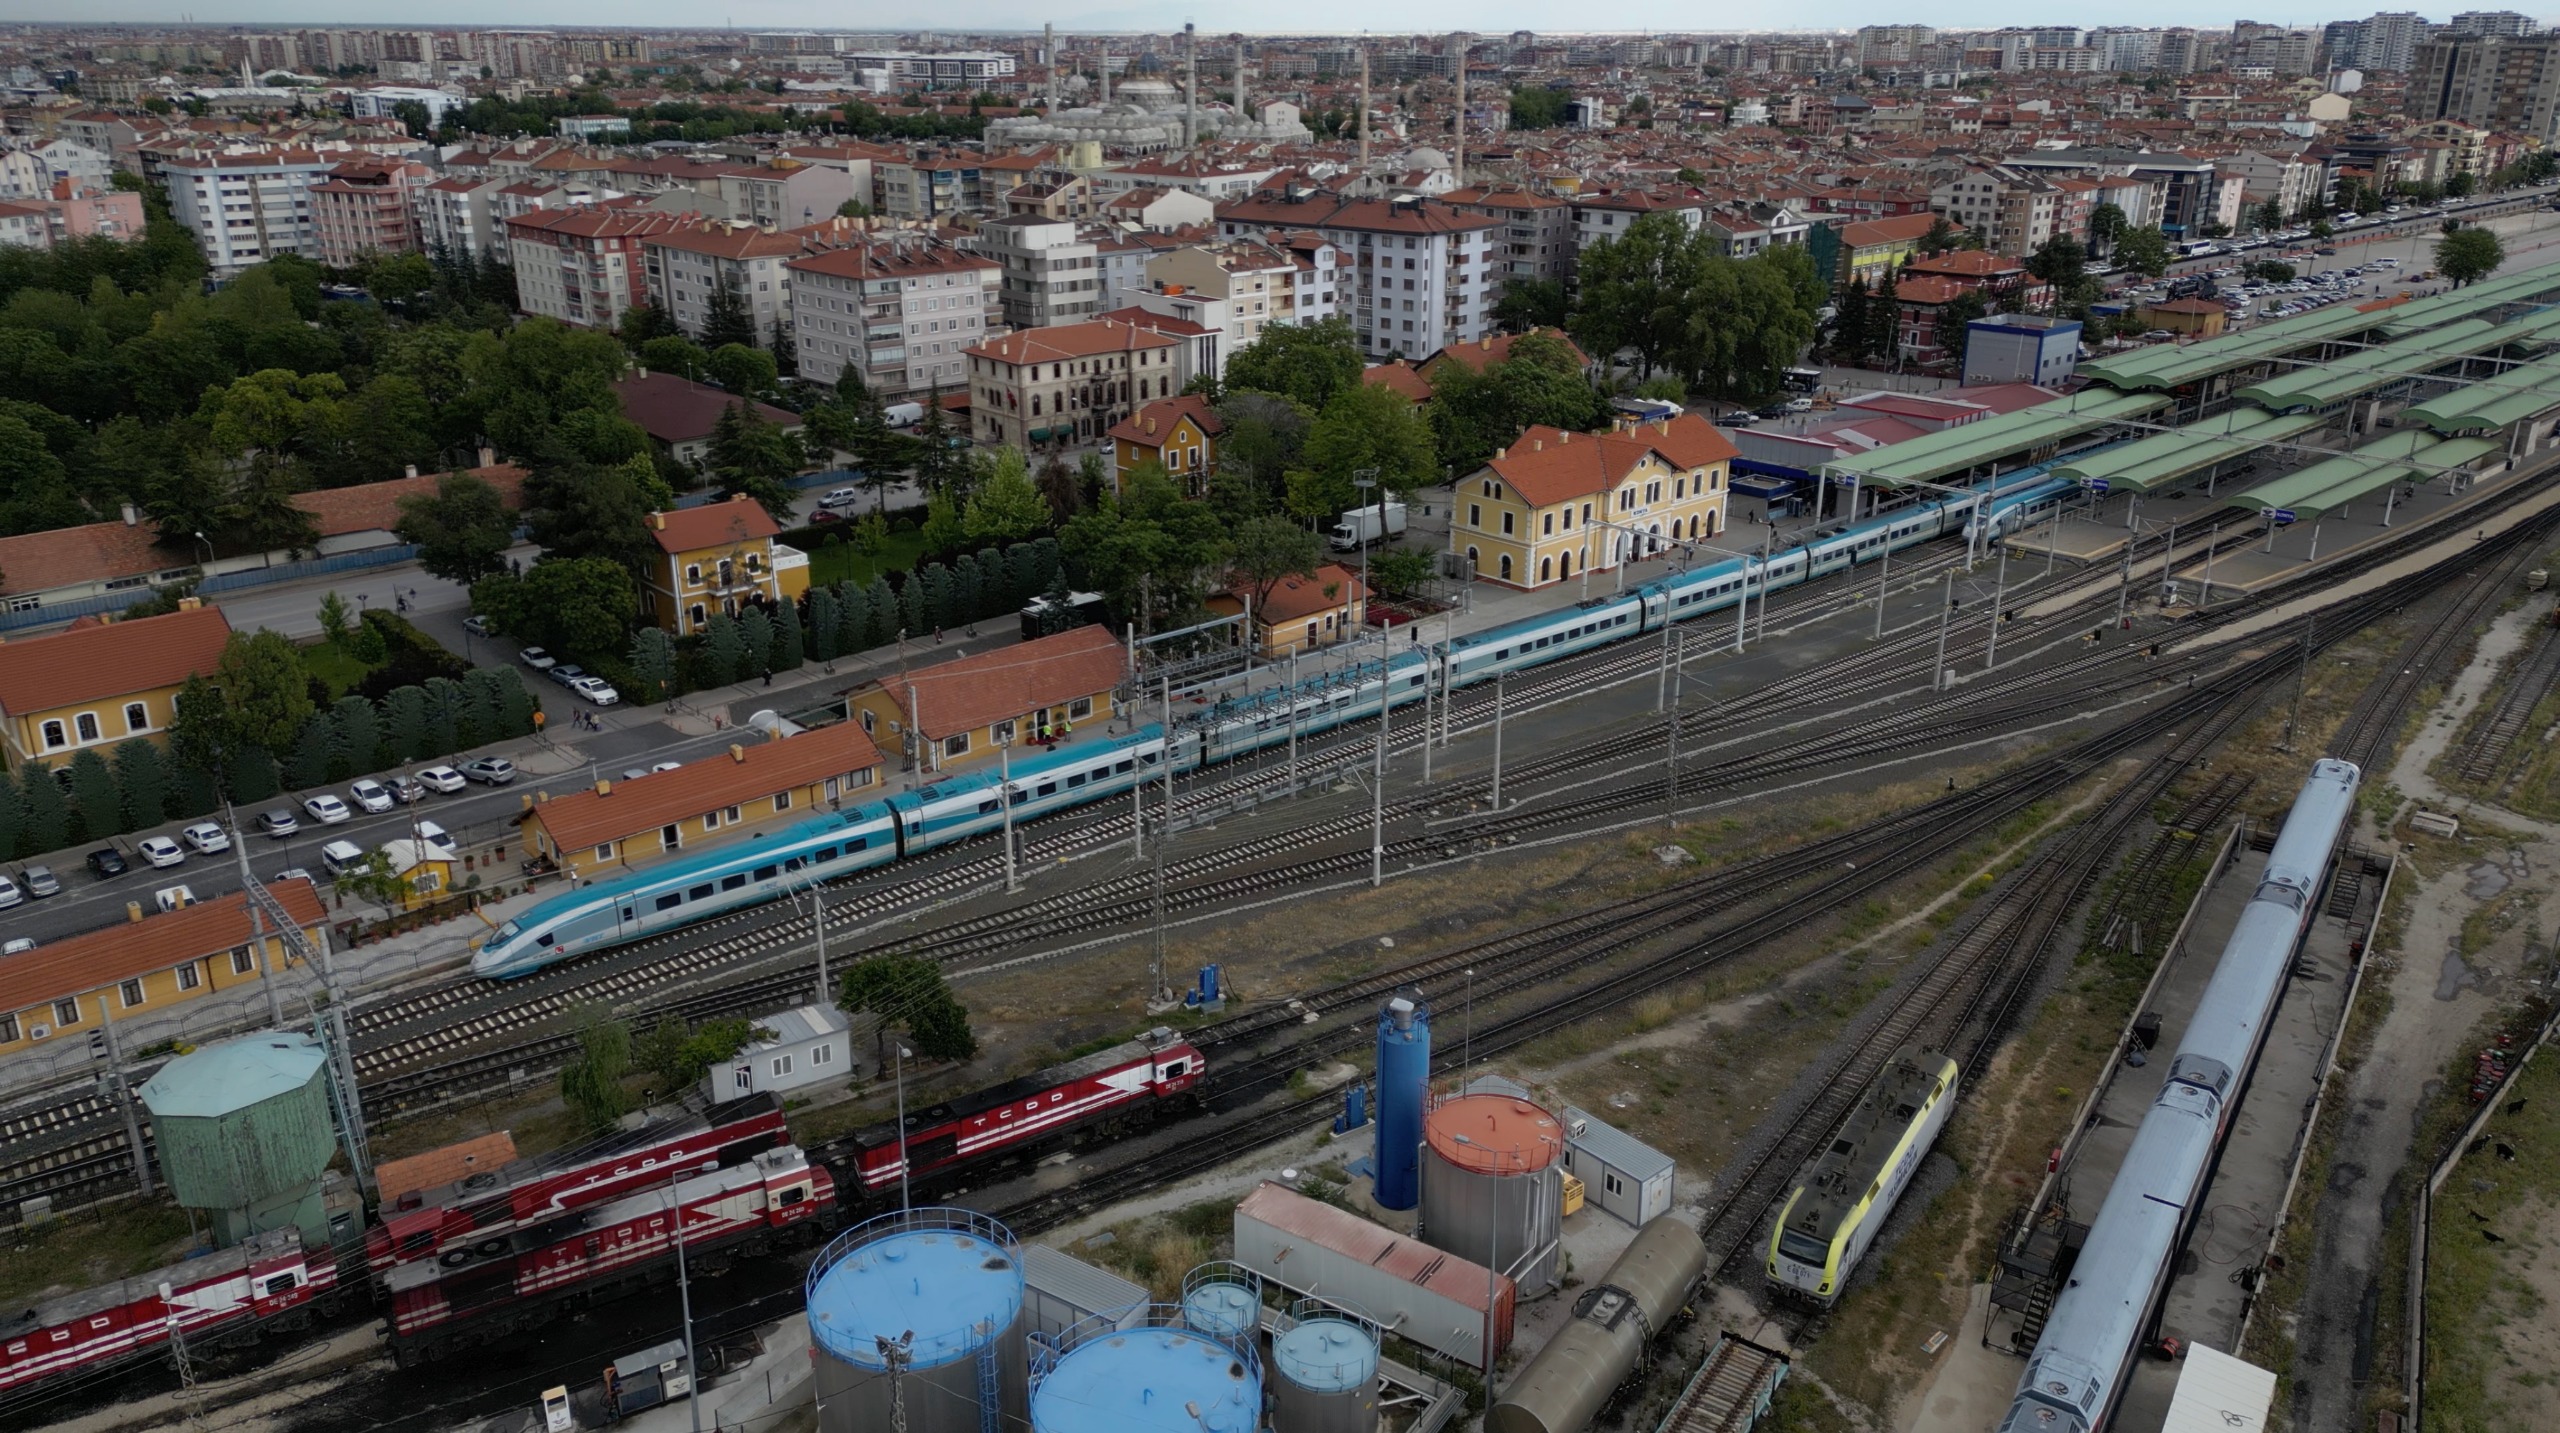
{"x": 767, "y": 873}
{"x": 281, "y": 1284}
{"x": 542, "y": 939}
{"x": 1124, "y": 768}
{"x": 697, "y": 893}
{"x": 1048, "y": 788}
{"x": 858, "y": 843}
{"x": 1147, "y": 757}
{"x": 1176, "y": 1070}
{"x": 1078, "y": 779}
{"x": 731, "y": 883}
{"x": 792, "y": 1196}
{"x": 670, "y": 900}
{"x": 989, "y": 808}
{"x": 629, "y": 911}
{"x": 823, "y": 855}
{"x": 1502, "y": 655}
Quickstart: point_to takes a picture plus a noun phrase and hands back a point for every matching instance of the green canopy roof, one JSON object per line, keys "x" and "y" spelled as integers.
{"x": 2148, "y": 463}
{"x": 2361, "y": 373}
{"x": 1971, "y": 445}
{"x": 2521, "y": 286}
{"x": 2333, "y": 483}
{"x": 2486, "y": 404}
{"x": 2171, "y": 365}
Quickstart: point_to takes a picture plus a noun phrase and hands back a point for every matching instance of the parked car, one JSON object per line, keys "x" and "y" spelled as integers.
{"x": 207, "y": 838}
{"x": 106, "y": 861}
{"x": 538, "y": 659}
{"x": 407, "y": 791}
{"x": 292, "y": 873}
{"x": 566, "y": 673}
{"x": 161, "y": 851}
{"x": 278, "y": 823}
{"x": 440, "y": 778}
{"x": 476, "y": 625}
{"x": 433, "y": 835}
{"x": 10, "y": 895}
{"x": 595, "y": 689}
{"x": 840, "y": 498}
{"x": 40, "y": 882}
{"x": 824, "y": 516}
{"x": 371, "y": 797}
{"x": 491, "y": 770}
{"x": 326, "y": 809}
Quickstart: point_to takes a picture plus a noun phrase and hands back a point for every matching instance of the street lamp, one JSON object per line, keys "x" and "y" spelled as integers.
{"x": 1365, "y": 479}
{"x": 900, "y": 1061}
{"x": 208, "y": 548}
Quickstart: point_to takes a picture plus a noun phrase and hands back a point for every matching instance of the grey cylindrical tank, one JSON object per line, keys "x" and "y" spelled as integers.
{"x": 1223, "y": 1300}
{"x": 1570, "y": 1380}
{"x": 939, "y": 1290}
{"x": 1324, "y": 1371}
{"x": 1492, "y": 1190}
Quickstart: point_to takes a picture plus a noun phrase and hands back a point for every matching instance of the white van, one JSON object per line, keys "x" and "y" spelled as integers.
{"x": 341, "y": 857}
{"x": 903, "y": 415}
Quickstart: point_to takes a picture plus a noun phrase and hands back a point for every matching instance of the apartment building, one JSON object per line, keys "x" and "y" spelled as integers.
{"x": 246, "y": 208}
{"x": 902, "y": 309}
{"x": 1253, "y": 285}
{"x": 2294, "y": 183}
{"x": 1069, "y": 384}
{"x": 1536, "y": 239}
{"x": 1050, "y": 271}
{"x": 2491, "y": 82}
{"x": 1417, "y": 275}
{"x": 457, "y": 216}
{"x": 2190, "y": 193}
{"x": 1598, "y": 217}
{"x": 2015, "y": 212}
{"x": 935, "y": 188}
{"x": 684, "y": 268}
{"x": 584, "y": 266}
{"x": 787, "y": 194}
{"x": 367, "y": 206}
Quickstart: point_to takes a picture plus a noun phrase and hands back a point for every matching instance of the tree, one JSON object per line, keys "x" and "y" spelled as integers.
{"x": 1365, "y": 429}
{"x": 579, "y": 606}
{"x": 1536, "y": 107}
{"x": 679, "y": 1058}
{"x": 1532, "y": 303}
{"x": 462, "y": 533}
{"x": 1636, "y": 290}
{"x": 94, "y": 797}
{"x": 1307, "y": 362}
{"x": 2106, "y": 222}
{"x": 48, "y": 825}
{"x": 1264, "y": 550}
{"x": 743, "y": 369}
{"x": 1849, "y": 323}
{"x": 2145, "y": 251}
{"x": 905, "y": 992}
{"x": 333, "y": 619}
{"x": 2268, "y": 216}
{"x": 375, "y": 881}
{"x": 723, "y": 653}
{"x": 1006, "y": 507}
{"x": 643, "y": 323}
{"x": 142, "y": 778}
{"x": 1953, "y": 322}
{"x": 752, "y": 456}
{"x": 355, "y": 737}
{"x": 1941, "y": 235}
{"x": 674, "y": 353}
{"x": 790, "y": 639}
{"x": 1472, "y": 413}
{"x": 591, "y": 1083}
{"x": 404, "y": 719}
{"x": 265, "y": 689}
{"x": 653, "y": 664}
{"x": 726, "y": 317}
{"x": 2466, "y": 256}
{"x": 756, "y": 630}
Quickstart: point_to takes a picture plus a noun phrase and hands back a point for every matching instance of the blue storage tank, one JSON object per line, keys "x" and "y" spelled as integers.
{"x": 939, "y": 1290}
{"x": 1324, "y": 1371}
{"x": 1404, "y": 1083}
{"x": 1223, "y": 1300}
{"x": 1157, "y": 1377}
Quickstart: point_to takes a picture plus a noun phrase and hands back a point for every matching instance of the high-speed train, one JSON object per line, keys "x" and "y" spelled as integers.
{"x": 2099, "y": 1322}
{"x": 695, "y": 886}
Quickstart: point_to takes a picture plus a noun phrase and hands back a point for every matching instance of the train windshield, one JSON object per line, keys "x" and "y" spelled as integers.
{"x": 509, "y": 931}
{"x": 1803, "y": 1248}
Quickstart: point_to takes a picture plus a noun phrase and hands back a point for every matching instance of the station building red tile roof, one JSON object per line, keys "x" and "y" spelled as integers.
{"x": 1551, "y": 465}
{"x": 96, "y": 660}
{"x": 612, "y": 810}
{"x": 96, "y": 959}
{"x": 740, "y": 519}
{"x": 972, "y": 692}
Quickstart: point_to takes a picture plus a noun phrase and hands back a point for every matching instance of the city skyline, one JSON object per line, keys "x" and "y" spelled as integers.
{"x": 1019, "y": 16}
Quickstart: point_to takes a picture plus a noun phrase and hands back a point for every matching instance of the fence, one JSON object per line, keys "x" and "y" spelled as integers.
{"x": 2422, "y": 1229}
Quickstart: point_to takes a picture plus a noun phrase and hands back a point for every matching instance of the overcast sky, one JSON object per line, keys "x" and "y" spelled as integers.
{"x": 1389, "y": 17}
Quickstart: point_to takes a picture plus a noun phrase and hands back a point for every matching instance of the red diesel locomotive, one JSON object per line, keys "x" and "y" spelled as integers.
{"x": 266, "y": 1283}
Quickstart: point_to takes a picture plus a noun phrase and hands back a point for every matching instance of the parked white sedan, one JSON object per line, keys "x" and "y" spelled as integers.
{"x": 160, "y": 850}
{"x": 206, "y": 838}
{"x": 326, "y": 809}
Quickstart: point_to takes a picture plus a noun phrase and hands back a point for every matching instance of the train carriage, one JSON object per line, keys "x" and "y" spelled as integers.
{"x": 266, "y": 1282}
{"x": 1827, "y": 1224}
{"x": 957, "y": 807}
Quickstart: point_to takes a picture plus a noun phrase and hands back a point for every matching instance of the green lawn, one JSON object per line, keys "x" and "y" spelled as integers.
{"x": 840, "y": 562}
{"x": 336, "y": 667}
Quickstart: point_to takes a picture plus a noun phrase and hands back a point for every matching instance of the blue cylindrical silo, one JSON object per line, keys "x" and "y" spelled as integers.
{"x": 1160, "y": 1376}
{"x": 1404, "y": 1080}
{"x": 930, "y": 1300}
{"x": 1224, "y": 1300}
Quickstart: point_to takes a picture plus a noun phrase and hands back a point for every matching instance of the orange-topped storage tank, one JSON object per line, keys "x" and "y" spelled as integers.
{"x": 1493, "y": 1185}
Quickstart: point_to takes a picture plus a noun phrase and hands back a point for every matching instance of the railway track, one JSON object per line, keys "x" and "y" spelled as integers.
{"x": 2529, "y": 680}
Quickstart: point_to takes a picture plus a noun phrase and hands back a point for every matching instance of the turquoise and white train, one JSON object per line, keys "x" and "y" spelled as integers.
{"x": 697, "y": 885}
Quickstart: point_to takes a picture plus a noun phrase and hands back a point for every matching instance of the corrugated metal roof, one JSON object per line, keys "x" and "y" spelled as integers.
{"x": 1970, "y": 445}
{"x": 1613, "y": 1146}
{"x": 1070, "y": 1280}
{"x": 2219, "y": 1394}
{"x": 233, "y": 1075}
{"x": 1460, "y": 1281}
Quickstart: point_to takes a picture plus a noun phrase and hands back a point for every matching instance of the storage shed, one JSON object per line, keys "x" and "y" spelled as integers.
{"x": 244, "y": 1133}
{"x": 1418, "y": 1293}
{"x": 1623, "y": 1174}
{"x": 1060, "y": 1289}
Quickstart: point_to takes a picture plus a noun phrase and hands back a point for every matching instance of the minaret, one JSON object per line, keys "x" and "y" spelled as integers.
{"x": 1106, "y": 74}
{"x": 1190, "y": 86}
{"x": 1240, "y": 115}
{"x": 1049, "y": 62}
{"x": 1363, "y": 171}
{"x": 1458, "y": 151}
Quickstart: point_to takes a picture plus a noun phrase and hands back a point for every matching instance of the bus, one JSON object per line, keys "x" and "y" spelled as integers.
{"x": 1803, "y": 380}
{"x": 2197, "y": 249}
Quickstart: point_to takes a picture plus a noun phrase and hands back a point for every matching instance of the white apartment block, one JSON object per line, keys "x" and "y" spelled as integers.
{"x": 245, "y": 209}
{"x": 1417, "y": 276}
{"x": 1051, "y": 275}
{"x": 902, "y": 310}
{"x": 685, "y": 267}
{"x": 457, "y": 217}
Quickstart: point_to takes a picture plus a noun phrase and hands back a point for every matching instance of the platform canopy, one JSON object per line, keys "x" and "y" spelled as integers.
{"x": 2521, "y": 286}
{"x": 2409, "y": 455}
{"x": 2163, "y": 458}
{"x": 2360, "y": 373}
{"x": 2488, "y": 404}
{"x": 2165, "y": 365}
{"x": 1967, "y": 446}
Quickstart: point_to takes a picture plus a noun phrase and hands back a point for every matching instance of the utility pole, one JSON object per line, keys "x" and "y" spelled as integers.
{"x": 1999, "y": 590}
{"x": 1378, "y": 783}
{"x": 1662, "y": 666}
{"x": 900, "y": 1062}
{"x": 1946, "y": 618}
{"x": 2124, "y": 584}
{"x": 1884, "y": 575}
{"x": 1671, "y": 768}
{"x": 1155, "y": 913}
{"x": 1012, "y": 878}
{"x": 122, "y": 1094}
{"x": 818, "y": 923}
{"x": 2301, "y": 679}
{"x": 2211, "y": 537}
{"x": 684, "y": 1303}
{"x": 1742, "y": 613}
{"x": 181, "y": 1360}
{"x": 1293, "y": 721}
{"x": 1500, "y": 680}
{"x": 1768, "y": 549}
